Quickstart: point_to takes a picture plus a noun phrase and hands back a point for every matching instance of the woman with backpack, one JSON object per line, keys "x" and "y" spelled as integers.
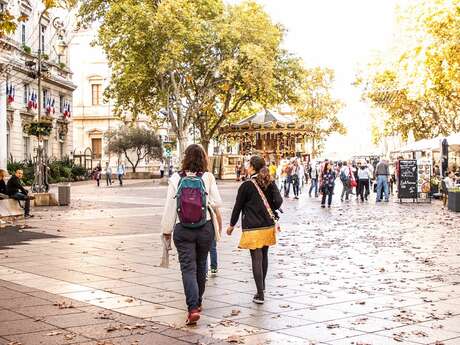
{"x": 192, "y": 214}
{"x": 258, "y": 199}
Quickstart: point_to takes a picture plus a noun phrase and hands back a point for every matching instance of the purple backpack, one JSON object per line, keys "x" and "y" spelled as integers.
{"x": 191, "y": 201}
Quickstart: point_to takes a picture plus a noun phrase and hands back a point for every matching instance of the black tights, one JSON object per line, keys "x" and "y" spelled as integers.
{"x": 259, "y": 267}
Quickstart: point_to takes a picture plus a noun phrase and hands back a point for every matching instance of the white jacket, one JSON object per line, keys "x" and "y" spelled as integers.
{"x": 169, "y": 218}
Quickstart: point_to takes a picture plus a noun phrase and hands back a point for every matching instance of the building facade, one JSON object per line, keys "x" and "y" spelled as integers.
{"x": 93, "y": 116}
{"x": 19, "y": 82}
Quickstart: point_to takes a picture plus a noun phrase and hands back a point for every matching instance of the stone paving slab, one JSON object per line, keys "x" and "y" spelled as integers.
{"x": 58, "y": 321}
{"x": 354, "y": 274}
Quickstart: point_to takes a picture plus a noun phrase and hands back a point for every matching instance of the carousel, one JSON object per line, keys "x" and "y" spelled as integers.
{"x": 270, "y": 134}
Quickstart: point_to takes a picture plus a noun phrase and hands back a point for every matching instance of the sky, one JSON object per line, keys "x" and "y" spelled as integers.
{"x": 340, "y": 34}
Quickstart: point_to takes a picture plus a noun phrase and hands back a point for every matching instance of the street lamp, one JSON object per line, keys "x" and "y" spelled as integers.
{"x": 40, "y": 184}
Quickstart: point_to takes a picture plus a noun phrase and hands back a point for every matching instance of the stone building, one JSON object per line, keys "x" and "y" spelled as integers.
{"x": 18, "y": 82}
{"x": 93, "y": 116}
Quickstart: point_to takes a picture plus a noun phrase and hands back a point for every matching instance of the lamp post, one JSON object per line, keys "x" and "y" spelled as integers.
{"x": 40, "y": 184}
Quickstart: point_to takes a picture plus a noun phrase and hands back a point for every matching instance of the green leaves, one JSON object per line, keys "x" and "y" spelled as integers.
{"x": 419, "y": 87}
{"x": 136, "y": 142}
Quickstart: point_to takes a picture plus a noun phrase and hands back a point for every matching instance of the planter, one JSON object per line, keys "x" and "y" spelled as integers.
{"x": 454, "y": 201}
{"x": 38, "y": 128}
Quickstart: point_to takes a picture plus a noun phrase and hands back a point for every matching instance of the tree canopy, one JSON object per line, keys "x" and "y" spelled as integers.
{"x": 9, "y": 22}
{"x": 419, "y": 86}
{"x": 199, "y": 62}
{"x": 134, "y": 143}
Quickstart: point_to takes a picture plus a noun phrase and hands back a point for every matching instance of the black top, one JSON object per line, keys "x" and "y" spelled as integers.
{"x": 249, "y": 202}
{"x": 3, "y": 187}
{"x": 14, "y": 185}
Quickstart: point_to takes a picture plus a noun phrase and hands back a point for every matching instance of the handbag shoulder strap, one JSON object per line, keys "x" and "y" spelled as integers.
{"x": 264, "y": 200}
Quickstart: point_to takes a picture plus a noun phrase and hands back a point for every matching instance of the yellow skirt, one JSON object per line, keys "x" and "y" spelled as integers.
{"x": 258, "y": 238}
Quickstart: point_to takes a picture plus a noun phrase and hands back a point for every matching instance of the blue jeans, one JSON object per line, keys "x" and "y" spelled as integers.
{"x": 213, "y": 254}
{"x": 314, "y": 186}
{"x": 22, "y": 197}
{"x": 287, "y": 185}
{"x": 193, "y": 246}
{"x": 382, "y": 183}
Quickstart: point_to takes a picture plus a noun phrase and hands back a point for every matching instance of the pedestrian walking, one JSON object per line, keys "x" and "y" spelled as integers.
{"x": 97, "y": 175}
{"x": 288, "y": 179}
{"x": 108, "y": 174}
{"x": 364, "y": 177}
{"x": 120, "y": 173}
{"x": 258, "y": 200}
{"x": 327, "y": 184}
{"x": 354, "y": 168}
{"x": 314, "y": 172}
{"x": 162, "y": 169}
{"x": 295, "y": 179}
{"x": 382, "y": 173}
{"x": 193, "y": 217}
{"x": 346, "y": 177}
{"x": 301, "y": 175}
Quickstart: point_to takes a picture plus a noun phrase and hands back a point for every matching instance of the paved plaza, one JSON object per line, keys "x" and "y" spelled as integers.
{"x": 377, "y": 274}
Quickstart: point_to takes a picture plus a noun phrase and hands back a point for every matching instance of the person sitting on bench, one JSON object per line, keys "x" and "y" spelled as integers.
{"x": 3, "y": 191}
{"x": 18, "y": 192}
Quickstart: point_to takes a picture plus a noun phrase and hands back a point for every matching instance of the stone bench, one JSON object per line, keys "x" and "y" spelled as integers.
{"x": 10, "y": 208}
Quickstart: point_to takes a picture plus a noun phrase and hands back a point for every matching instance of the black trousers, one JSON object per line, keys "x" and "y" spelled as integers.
{"x": 363, "y": 189}
{"x": 259, "y": 258}
{"x": 193, "y": 246}
{"x": 328, "y": 192}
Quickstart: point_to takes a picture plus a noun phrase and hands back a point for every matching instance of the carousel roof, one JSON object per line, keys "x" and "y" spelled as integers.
{"x": 267, "y": 116}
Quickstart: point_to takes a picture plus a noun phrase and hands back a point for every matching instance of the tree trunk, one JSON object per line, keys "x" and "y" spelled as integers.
{"x": 182, "y": 140}
{"x": 205, "y": 144}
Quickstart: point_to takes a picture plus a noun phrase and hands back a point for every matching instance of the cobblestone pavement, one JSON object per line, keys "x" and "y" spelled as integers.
{"x": 377, "y": 274}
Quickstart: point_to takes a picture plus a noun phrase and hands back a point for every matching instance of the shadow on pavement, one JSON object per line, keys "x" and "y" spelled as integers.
{"x": 16, "y": 235}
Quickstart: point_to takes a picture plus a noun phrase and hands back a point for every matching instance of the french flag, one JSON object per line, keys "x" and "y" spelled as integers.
{"x": 10, "y": 91}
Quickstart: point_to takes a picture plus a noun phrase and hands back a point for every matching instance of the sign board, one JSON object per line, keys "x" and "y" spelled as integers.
{"x": 407, "y": 185}
{"x": 424, "y": 168}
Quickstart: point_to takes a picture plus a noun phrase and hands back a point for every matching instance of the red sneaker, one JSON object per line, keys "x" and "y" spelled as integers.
{"x": 193, "y": 317}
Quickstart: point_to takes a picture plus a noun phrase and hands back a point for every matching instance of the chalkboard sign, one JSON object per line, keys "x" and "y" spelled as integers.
{"x": 407, "y": 186}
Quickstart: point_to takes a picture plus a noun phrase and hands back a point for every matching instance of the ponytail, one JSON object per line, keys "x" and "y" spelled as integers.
{"x": 263, "y": 177}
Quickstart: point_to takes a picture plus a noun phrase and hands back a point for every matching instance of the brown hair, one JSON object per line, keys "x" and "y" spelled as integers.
{"x": 195, "y": 159}
{"x": 263, "y": 175}
{"x": 2, "y": 174}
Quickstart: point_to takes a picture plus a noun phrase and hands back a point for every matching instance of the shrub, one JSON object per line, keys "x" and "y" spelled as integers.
{"x": 59, "y": 171}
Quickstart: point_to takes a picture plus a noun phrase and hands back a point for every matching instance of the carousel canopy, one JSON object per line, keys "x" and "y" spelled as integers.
{"x": 267, "y": 116}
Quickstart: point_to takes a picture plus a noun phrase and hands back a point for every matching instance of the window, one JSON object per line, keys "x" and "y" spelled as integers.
{"x": 45, "y": 96}
{"x": 61, "y": 148}
{"x": 42, "y": 38}
{"x": 26, "y": 94}
{"x": 23, "y": 34}
{"x": 96, "y": 94}
{"x": 61, "y": 104}
{"x": 26, "y": 141}
{"x": 2, "y": 7}
{"x": 96, "y": 145}
{"x": 8, "y": 140}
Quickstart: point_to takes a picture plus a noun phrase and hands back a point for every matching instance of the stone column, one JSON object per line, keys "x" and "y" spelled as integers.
{"x": 3, "y": 116}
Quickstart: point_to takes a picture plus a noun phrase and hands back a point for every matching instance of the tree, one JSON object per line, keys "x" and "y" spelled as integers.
{"x": 316, "y": 105}
{"x": 9, "y": 22}
{"x": 136, "y": 142}
{"x": 419, "y": 87}
{"x": 190, "y": 61}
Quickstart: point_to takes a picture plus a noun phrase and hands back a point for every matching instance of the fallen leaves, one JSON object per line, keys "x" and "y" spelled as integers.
{"x": 235, "y": 339}
{"x": 64, "y": 305}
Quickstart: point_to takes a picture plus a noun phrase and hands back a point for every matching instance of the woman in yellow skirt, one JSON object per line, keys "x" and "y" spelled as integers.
{"x": 258, "y": 199}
